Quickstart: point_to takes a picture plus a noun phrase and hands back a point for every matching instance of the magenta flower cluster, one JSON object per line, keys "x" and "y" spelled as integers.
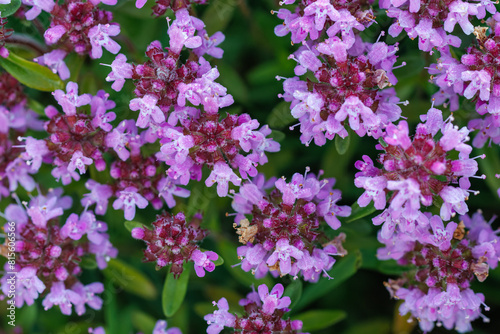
{"x": 174, "y": 242}
{"x": 350, "y": 76}
{"x": 284, "y": 233}
{"x": 264, "y": 313}
{"x": 49, "y": 255}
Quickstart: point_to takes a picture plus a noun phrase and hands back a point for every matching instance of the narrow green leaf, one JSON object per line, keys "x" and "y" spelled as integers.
{"x": 340, "y": 272}
{"x": 130, "y": 279}
{"x": 280, "y": 116}
{"x": 358, "y": 212}
{"x": 88, "y": 263}
{"x": 319, "y": 319}
{"x": 129, "y": 225}
{"x": 490, "y": 167}
{"x": 36, "y": 107}
{"x": 294, "y": 291}
{"x": 174, "y": 291}
{"x": 31, "y": 74}
{"x": 218, "y": 15}
{"x": 342, "y": 144}
{"x": 372, "y": 326}
{"x": 143, "y": 321}
{"x": 10, "y": 8}
{"x": 277, "y": 135}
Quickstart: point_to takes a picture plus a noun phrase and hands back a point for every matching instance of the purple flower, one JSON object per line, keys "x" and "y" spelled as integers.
{"x": 38, "y": 6}
{"x": 168, "y": 187}
{"x": 62, "y": 297}
{"x": 209, "y": 45}
{"x": 28, "y": 286}
{"x": 128, "y": 199}
{"x": 148, "y": 109}
{"x": 71, "y": 100}
{"x": 161, "y": 328}
{"x": 53, "y": 34}
{"x": 222, "y": 174}
{"x": 283, "y": 253}
{"x": 35, "y": 151}
{"x": 220, "y": 318}
{"x": 88, "y": 296}
{"x": 74, "y": 228}
{"x": 55, "y": 61}
{"x": 203, "y": 261}
{"x": 122, "y": 138}
{"x": 79, "y": 161}
{"x": 99, "y": 37}
{"x": 273, "y": 301}
{"x": 120, "y": 70}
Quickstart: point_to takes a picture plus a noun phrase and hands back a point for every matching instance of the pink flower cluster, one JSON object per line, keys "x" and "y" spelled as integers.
{"x": 179, "y": 105}
{"x": 174, "y": 242}
{"x": 264, "y": 312}
{"x": 48, "y": 255}
{"x": 350, "y": 75}
{"x": 283, "y": 234}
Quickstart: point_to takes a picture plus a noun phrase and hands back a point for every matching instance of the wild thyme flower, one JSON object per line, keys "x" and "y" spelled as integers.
{"x": 417, "y": 172}
{"x": 350, "y": 75}
{"x": 48, "y": 255}
{"x": 81, "y": 27}
{"x": 173, "y": 242}
{"x": 284, "y": 235}
{"x": 264, "y": 313}
{"x": 4, "y": 33}
{"x": 445, "y": 259}
{"x": 161, "y": 6}
{"x": 431, "y": 20}
{"x": 160, "y": 328}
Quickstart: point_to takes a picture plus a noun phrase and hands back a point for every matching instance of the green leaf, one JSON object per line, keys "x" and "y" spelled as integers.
{"x": 10, "y": 8}
{"x": 36, "y": 107}
{"x": 129, "y": 225}
{"x": 341, "y": 271}
{"x": 143, "y": 321}
{"x": 31, "y": 74}
{"x": 174, "y": 291}
{"x": 130, "y": 279}
{"x": 490, "y": 167}
{"x": 358, "y": 212}
{"x": 218, "y": 15}
{"x": 277, "y": 135}
{"x": 342, "y": 144}
{"x": 319, "y": 319}
{"x": 280, "y": 116}
{"x": 88, "y": 263}
{"x": 294, "y": 291}
{"x": 372, "y": 326}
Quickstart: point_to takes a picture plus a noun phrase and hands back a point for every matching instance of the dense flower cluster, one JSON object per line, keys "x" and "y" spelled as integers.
{"x": 264, "y": 312}
{"x": 417, "y": 172}
{"x": 160, "y": 328}
{"x": 350, "y": 74}
{"x": 4, "y": 33}
{"x": 476, "y": 78}
{"x": 15, "y": 120}
{"x": 284, "y": 234}
{"x": 446, "y": 257}
{"x": 48, "y": 255}
{"x": 191, "y": 138}
{"x": 431, "y": 20}
{"x": 161, "y": 6}
{"x": 174, "y": 242}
